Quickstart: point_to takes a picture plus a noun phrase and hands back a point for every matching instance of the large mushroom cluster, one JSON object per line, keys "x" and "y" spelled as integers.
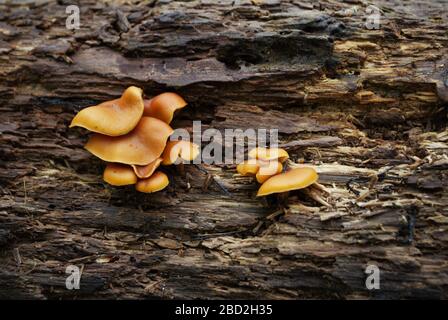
{"x": 131, "y": 135}
{"x": 268, "y": 167}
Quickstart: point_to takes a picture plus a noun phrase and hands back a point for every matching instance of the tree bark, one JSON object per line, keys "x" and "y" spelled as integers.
{"x": 366, "y": 107}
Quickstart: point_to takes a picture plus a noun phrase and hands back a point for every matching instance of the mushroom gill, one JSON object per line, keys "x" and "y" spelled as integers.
{"x": 141, "y": 146}
{"x": 163, "y": 106}
{"x": 113, "y": 118}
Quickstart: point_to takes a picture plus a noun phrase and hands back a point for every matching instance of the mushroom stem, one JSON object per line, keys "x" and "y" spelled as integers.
{"x": 282, "y": 199}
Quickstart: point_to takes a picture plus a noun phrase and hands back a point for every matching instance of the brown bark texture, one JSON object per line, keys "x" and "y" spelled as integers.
{"x": 366, "y": 107}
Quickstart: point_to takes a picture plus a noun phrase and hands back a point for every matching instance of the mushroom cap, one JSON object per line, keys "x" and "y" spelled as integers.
{"x": 115, "y": 117}
{"x": 248, "y": 167}
{"x": 261, "y": 169}
{"x": 154, "y": 183}
{"x": 118, "y": 174}
{"x": 268, "y": 154}
{"x": 267, "y": 170}
{"x": 163, "y": 106}
{"x": 141, "y": 146}
{"x": 185, "y": 150}
{"x": 294, "y": 179}
{"x": 148, "y": 170}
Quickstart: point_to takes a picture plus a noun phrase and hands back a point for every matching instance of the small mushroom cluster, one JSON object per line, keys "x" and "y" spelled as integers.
{"x": 131, "y": 135}
{"x": 267, "y": 166}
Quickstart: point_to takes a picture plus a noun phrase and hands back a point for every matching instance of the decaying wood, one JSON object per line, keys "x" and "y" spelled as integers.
{"x": 366, "y": 108}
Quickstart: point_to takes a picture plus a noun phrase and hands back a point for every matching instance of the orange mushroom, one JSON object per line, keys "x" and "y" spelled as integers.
{"x": 154, "y": 183}
{"x": 113, "y": 118}
{"x": 248, "y": 168}
{"x": 262, "y": 170}
{"x": 294, "y": 179}
{"x": 163, "y": 106}
{"x": 268, "y": 154}
{"x": 141, "y": 146}
{"x": 148, "y": 170}
{"x": 118, "y": 174}
{"x": 182, "y": 150}
{"x": 267, "y": 170}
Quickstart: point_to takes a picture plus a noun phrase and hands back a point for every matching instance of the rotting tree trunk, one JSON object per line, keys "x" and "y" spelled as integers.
{"x": 366, "y": 107}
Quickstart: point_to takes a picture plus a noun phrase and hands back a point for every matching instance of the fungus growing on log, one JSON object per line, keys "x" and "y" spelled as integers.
{"x": 154, "y": 183}
{"x": 264, "y": 163}
{"x": 262, "y": 170}
{"x": 118, "y": 174}
{"x": 141, "y": 146}
{"x": 131, "y": 134}
{"x": 113, "y": 118}
{"x": 294, "y": 179}
{"x": 268, "y": 154}
{"x": 267, "y": 170}
{"x": 163, "y": 106}
{"x": 248, "y": 168}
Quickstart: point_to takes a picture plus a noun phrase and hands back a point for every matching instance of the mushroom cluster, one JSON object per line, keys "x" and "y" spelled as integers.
{"x": 267, "y": 166}
{"x": 131, "y": 135}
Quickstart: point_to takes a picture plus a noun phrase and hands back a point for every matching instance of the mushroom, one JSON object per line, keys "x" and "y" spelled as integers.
{"x": 148, "y": 170}
{"x": 113, "y": 118}
{"x": 141, "y": 146}
{"x": 178, "y": 152}
{"x": 269, "y": 154}
{"x": 293, "y": 179}
{"x": 154, "y": 183}
{"x": 163, "y": 106}
{"x": 282, "y": 183}
{"x": 262, "y": 170}
{"x": 248, "y": 168}
{"x": 267, "y": 170}
{"x": 118, "y": 174}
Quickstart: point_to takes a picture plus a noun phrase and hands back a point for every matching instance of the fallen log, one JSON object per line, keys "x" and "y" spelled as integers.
{"x": 366, "y": 107}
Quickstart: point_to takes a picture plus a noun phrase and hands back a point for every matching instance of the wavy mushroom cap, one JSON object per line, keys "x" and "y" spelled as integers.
{"x": 163, "y": 106}
{"x": 118, "y": 174}
{"x": 148, "y": 170}
{"x": 294, "y": 179}
{"x": 267, "y": 170}
{"x": 184, "y": 150}
{"x": 113, "y": 118}
{"x": 154, "y": 183}
{"x": 262, "y": 170}
{"x": 141, "y": 146}
{"x": 268, "y": 154}
{"x": 248, "y": 168}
